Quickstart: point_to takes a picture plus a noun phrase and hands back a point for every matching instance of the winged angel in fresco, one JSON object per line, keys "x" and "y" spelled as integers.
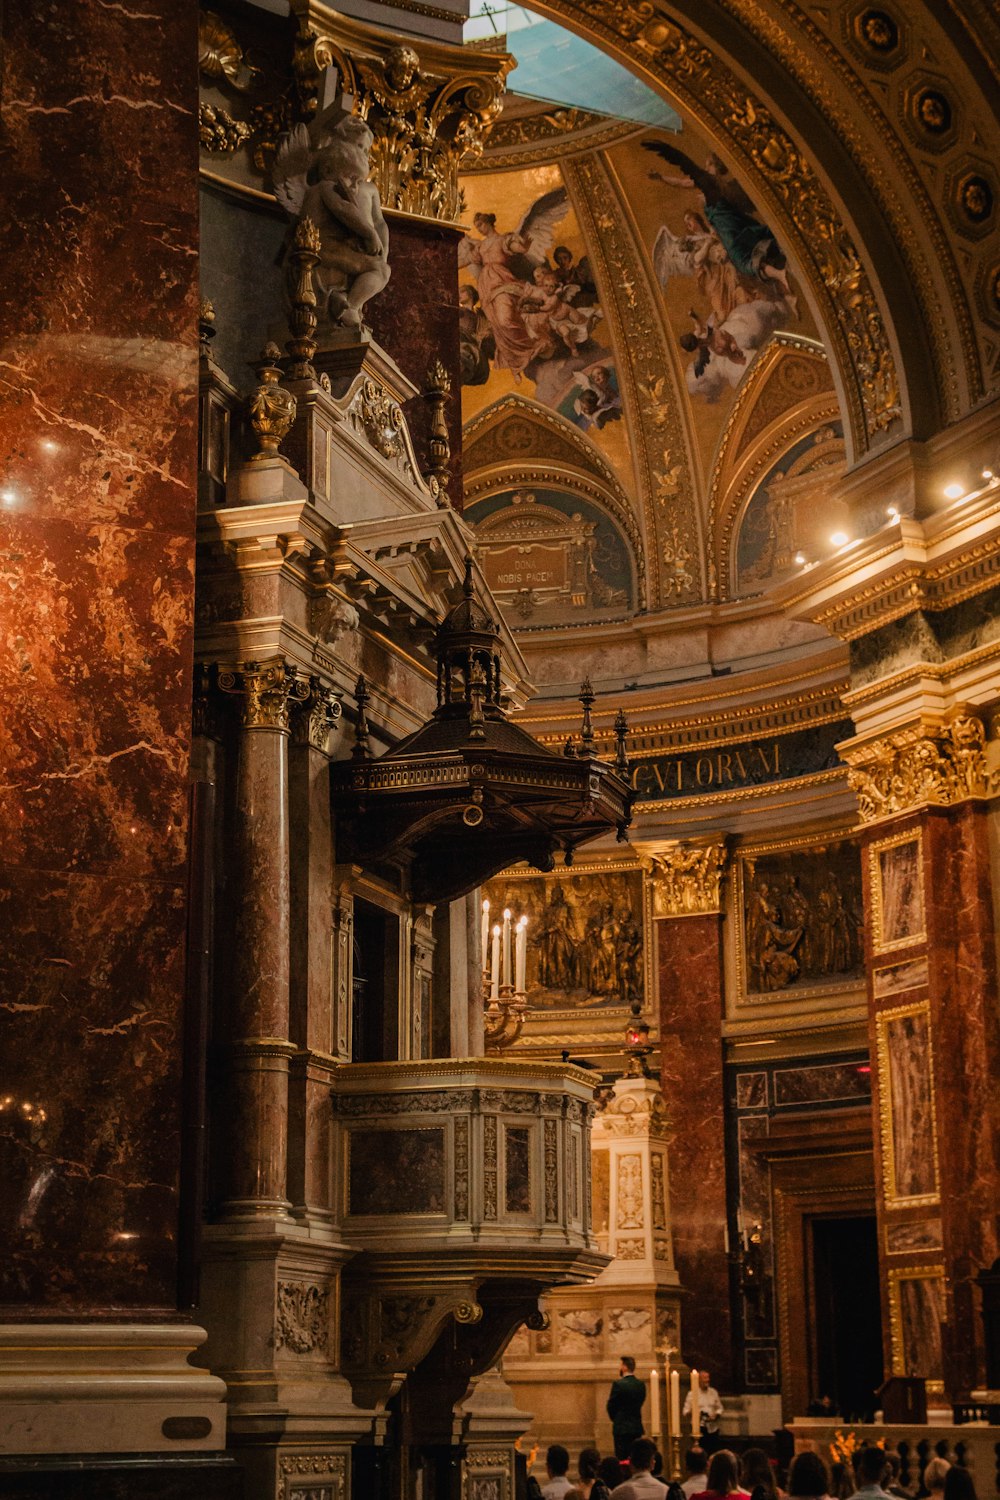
{"x": 326, "y": 182}
{"x": 736, "y": 263}
{"x": 529, "y": 309}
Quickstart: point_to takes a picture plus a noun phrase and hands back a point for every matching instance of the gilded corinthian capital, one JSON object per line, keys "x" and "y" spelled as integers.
{"x": 317, "y": 716}
{"x": 267, "y": 691}
{"x": 687, "y": 879}
{"x": 428, "y": 105}
{"x": 926, "y": 765}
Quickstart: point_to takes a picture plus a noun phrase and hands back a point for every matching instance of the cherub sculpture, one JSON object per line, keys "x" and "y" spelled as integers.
{"x": 325, "y": 180}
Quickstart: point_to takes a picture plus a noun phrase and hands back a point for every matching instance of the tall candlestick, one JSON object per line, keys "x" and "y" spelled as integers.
{"x": 508, "y": 967}
{"x": 654, "y": 1401}
{"x": 675, "y": 1404}
{"x": 695, "y": 1407}
{"x": 495, "y": 965}
{"x": 521, "y": 956}
{"x": 486, "y": 933}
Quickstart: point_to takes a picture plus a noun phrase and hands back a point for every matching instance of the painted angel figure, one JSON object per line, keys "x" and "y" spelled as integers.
{"x": 327, "y": 183}
{"x": 749, "y": 244}
{"x": 503, "y": 267}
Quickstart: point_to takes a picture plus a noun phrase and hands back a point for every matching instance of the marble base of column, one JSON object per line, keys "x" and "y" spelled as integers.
{"x": 107, "y": 1388}
{"x": 254, "y": 1128}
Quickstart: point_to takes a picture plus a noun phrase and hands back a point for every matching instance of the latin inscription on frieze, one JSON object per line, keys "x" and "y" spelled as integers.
{"x": 718, "y": 769}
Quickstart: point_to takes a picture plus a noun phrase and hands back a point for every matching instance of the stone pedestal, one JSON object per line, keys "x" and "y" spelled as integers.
{"x": 562, "y": 1371}
{"x": 489, "y": 1424}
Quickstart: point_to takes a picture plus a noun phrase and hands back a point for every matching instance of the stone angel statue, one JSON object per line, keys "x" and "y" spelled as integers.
{"x": 325, "y": 181}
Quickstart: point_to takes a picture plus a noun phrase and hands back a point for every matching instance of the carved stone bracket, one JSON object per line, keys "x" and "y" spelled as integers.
{"x": 687, "y": 879}
{"x": 317, "y": 716}
{"x": 923, "y": 766}
{"x": 267, "y": 691}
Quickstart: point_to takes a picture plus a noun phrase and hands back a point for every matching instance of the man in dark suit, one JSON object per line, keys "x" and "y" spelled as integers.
{"x": 625, "y": 1407}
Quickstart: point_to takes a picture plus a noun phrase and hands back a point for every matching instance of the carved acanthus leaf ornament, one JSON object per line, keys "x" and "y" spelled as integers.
{"x": 921, "y": 767}
{"x": 268, "y": 690}
{"x": 687, "y": 880}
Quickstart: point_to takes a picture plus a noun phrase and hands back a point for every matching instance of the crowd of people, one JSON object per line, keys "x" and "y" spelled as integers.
{"x": 875, "y": 1475}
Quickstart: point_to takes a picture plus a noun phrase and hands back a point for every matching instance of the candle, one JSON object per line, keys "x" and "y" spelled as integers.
{"x": 495, "y": 965}
{"x": 675, "y": 1403}
{"x": 485, "y": 940}
{"x": 521, "y": 956}
{"x": 508, "y": 967}
{"x": 654, "y": 1401}
{"x": 695, "y": 1407}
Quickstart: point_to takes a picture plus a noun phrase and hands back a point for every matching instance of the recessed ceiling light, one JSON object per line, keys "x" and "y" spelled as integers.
{"x": 840, "y": 539}
{"x": 892, "y": 513}
{"x": 953, "y": 491}
{"x": 800, "y": 558}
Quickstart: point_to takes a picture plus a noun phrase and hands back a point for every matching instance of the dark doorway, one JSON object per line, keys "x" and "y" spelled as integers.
{"x": 375, "y": 1000}
{"x": 848, "y": 1351}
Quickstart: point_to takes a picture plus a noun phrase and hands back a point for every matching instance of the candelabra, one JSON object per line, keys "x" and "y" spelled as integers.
{"x": 505, "y": 1003}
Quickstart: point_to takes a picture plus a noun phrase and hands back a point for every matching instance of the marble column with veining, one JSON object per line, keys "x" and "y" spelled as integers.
{"x": 98, "y": 406}
{"x": 312, "y": 1001}
{"x": 254, "y": 934}
{"x": 689, "y": 953}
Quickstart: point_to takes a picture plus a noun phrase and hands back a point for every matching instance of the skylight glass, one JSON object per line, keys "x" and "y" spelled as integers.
{"x": 557, "y": 67}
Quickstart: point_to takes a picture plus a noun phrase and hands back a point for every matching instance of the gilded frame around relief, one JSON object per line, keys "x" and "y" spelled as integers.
{"x": 880, "y": 943}
{"x": 596, "y": 1015}
{"x": 745, "y": 997}
{"x": 896, "y": 1274}
{"x": 892, "y": 1197}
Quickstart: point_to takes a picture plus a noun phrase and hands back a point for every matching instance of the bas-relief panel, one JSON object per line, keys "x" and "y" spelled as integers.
{"x": 551, "y": 555}
{"x": 909, "y": 1136}
{"x": 396, "y": 1171}
{"x": 917, "y": 1310}
{"x": 530, "y": 318}
{"x": 601, "y": 1191}
{"x": 628, "y": 1195}
{"x": 800, "y": 920}
{"x": 897, "y": 893}
{"x": 585, "y": 949}
{"x": 893, "y": 979}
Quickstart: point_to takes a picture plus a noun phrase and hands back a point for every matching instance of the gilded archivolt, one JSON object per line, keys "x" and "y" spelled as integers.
{"x": 659, "y": 440}
{"x": 925, "y": 766}
{"x": 687, "y": 879}
{"x": 721, "y": 102}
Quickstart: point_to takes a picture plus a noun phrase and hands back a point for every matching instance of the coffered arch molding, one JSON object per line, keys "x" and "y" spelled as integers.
{"x": 896, "y": 374}
{"x": 568, "y": 463}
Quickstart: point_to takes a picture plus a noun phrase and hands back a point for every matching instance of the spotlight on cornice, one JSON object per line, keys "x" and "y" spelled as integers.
{"x": 954, "y": 491}
{"x": 839, "y": 539}
{"x": 892, "y": 513}
{"x": 988, "y": 475}
{"x": 800, "y": 559}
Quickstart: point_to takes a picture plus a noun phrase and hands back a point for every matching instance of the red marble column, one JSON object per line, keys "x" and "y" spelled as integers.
{"x": 935, "y": 1034}
{"x": 312, "y": 1000}
{"x": 98, "y": 471}
{"x": 689, "y": 952}
{"x": 257, "y": 1048}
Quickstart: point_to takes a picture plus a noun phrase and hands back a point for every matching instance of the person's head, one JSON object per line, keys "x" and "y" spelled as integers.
{"x": 627, "y": 1366}
{"x": 688, "y": 343}
{"x": 694, "y": 223}
{"x": 589, "y": 402}
{"x": 641, "y": 1454}
{"x": 704, "y": 1379}
{"x": 557, "y": 1460}
{"x": 893, "y": 1464}
{"x": 935, "y": 1475}
{"x": 484, "y": 222}
{"x": 958, "y": 1484}
{"x": 610, "y": 1470}
{"x": 723, "y": 1472}
{"x": 547, "y": 280}
{"x": 696, "y": 1460}
{"x": 869, "y": 1464}
{"x": 808, "y": 1478}
{"x": 589, "y": 1463}
{"x": 600, "y": 375}
{"x": 755, "y": 1466}
{"x": 563, "y": 257}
